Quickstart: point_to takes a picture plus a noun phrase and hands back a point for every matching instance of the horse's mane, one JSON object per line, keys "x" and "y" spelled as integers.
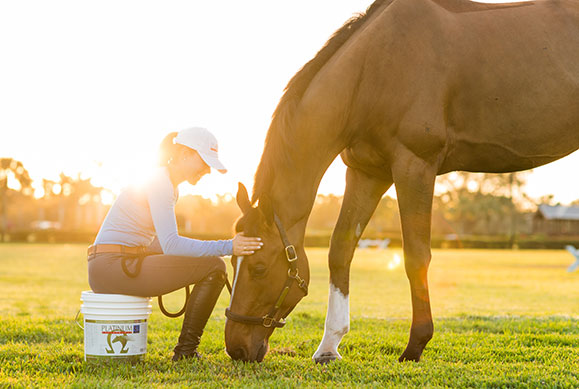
{"x": 279, "y": 135}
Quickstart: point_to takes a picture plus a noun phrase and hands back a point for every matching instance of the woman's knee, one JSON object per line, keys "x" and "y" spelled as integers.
{"x": 218, "y": 265}
{"x": 217, "y": 273}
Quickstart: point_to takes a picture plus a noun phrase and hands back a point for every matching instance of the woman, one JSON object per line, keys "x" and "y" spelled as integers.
{"x": 139, "y": 252}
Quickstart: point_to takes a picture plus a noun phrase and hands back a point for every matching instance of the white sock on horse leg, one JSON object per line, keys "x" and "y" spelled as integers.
{"x": 337, "y": 323}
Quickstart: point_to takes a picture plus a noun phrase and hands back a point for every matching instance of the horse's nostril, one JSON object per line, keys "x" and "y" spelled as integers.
{"x": 238, "y": 354}
{"x": 261, "y": 352}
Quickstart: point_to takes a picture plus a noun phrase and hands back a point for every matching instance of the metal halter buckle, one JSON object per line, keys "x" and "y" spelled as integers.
{"x": 291, "y": 253}
{"x": 292, "y": 275}
{"x": 268, "y": 321}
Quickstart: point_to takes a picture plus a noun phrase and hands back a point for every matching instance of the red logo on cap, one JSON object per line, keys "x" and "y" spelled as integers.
{"x": 214, "y": 149}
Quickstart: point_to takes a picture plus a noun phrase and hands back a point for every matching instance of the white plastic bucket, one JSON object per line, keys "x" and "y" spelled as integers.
{"x": 115, "y": 326}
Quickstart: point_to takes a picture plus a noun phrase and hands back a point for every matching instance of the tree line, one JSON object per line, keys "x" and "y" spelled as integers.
{"x": 467, "y": 204}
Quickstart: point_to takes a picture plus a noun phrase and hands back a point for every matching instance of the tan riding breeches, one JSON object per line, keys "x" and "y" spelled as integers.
{"x": 149, "y": 276}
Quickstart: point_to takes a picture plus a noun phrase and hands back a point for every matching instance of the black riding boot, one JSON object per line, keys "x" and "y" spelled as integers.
{"x": 199, "y": 307}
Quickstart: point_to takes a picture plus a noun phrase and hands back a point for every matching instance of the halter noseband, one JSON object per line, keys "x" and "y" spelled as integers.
{"x": 268, "y": 320}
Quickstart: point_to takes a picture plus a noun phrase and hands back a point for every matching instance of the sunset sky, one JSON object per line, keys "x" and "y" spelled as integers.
{"x": 93, "y": 87}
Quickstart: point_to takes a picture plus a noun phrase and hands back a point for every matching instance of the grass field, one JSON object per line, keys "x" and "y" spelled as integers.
{"x": 502, "y": 319}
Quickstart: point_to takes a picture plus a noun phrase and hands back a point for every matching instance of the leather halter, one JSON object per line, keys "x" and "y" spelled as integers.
{"x": 268, "y": 320}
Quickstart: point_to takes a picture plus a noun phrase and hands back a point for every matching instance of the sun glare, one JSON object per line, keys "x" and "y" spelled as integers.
{"x": 38, "y": 191}
{"x": 394, "y": 262}
{"x": 107, "y": 197}
{"x": 13, "y": 183}
{"x": 57, "y": 189}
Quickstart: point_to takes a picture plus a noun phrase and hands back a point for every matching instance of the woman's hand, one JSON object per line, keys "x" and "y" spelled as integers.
{"x": 245, "y": 245}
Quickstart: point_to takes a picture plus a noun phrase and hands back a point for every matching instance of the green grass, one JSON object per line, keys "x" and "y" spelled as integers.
{"x": 502, "y": 319}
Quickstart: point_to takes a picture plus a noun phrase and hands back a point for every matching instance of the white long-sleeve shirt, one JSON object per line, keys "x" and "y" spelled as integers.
{"x": 144, "y": 212}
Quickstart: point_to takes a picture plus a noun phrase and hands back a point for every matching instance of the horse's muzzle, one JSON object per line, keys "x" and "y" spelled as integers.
{"x": 239, "y": 354}
{"x": 242, "y": 354}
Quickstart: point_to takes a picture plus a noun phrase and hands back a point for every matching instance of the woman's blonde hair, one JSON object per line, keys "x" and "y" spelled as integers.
{"x": 169, "y": 150}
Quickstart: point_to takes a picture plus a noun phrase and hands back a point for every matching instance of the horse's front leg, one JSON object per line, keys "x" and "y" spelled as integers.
{"x": 414, "y": 179}
{"x": 360, "y": 200}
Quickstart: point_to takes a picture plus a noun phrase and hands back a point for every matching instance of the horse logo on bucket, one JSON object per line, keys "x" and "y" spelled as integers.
{"x": 121, "y": 337}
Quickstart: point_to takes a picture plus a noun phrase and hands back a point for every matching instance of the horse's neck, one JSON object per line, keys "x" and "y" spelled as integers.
{"x": 295, "y": 187}
{"x": 311, "y": 142}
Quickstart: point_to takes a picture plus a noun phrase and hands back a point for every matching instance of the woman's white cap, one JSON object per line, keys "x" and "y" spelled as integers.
{"x": 204, "y": 142}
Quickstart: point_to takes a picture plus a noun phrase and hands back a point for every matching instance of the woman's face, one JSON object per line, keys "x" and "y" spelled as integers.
{"x": 193, "y": 167}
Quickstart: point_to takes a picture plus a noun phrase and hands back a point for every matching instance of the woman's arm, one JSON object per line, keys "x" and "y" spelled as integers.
{"x": 161, "y": 197}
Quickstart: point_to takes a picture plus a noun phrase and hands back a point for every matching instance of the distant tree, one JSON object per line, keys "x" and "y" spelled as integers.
{"x": 385, "y": 221}
{"x": 483, "y": 203}
{"x": 324, "y": 214}
{"x": 548, "y": 199}
{"x": 75, "y": 203}
{"x": 75, "y": 193}
{"x": 11, "y": 168}
{"x": 203, "y": 217}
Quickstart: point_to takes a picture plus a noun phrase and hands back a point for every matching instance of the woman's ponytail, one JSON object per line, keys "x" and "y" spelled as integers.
{"x": 168, "y": 150}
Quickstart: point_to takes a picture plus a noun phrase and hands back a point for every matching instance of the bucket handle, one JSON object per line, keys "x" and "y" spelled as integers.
{"x": 76, "y": 320}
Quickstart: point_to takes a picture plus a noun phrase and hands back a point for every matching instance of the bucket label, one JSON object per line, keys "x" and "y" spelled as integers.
{"x": 115, "y": 338}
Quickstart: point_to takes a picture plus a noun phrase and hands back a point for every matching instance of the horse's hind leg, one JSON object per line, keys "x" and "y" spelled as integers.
{"x": 360, "y": 200}
{"x": 414, "y": 179}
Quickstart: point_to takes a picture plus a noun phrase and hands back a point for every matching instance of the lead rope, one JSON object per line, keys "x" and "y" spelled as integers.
{"x": 137, "y": 266}
{"x": 182, "y": 311}
{"x": 187, "y": 295}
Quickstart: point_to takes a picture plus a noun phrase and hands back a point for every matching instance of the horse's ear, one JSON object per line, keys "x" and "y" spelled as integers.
{"x": 243, "y": 198}
{"x": 266, "y": 207}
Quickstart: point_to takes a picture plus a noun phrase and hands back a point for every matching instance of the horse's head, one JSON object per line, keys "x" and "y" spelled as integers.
{"x": 267, "y": 285}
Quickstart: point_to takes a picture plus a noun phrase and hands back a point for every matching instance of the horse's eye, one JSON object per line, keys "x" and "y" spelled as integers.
{"x": 258, "y": 270}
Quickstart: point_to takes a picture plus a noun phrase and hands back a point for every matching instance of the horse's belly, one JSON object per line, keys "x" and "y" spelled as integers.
{"x": 515, "y": 142}
{"x": 514, "y": 123}
{"x": 370, "y": 158}
{"x": 495, "y": 157}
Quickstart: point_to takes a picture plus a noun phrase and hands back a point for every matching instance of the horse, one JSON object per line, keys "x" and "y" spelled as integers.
{"x": 404, "y": 92}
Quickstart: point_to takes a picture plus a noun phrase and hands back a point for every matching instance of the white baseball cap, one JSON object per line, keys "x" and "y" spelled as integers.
{"x": 204, "y": 142}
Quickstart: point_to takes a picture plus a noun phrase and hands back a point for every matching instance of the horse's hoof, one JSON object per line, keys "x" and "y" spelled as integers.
{"x": 409, "y": 356}
{"x": 325, "y": 358}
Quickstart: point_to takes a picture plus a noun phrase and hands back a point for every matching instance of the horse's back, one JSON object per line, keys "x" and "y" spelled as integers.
{"x": 496, "y": 84}
{"x": 516, "y": 84}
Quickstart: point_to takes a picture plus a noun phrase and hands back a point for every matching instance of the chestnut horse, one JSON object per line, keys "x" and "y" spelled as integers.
{"x": 407, "y": 91}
